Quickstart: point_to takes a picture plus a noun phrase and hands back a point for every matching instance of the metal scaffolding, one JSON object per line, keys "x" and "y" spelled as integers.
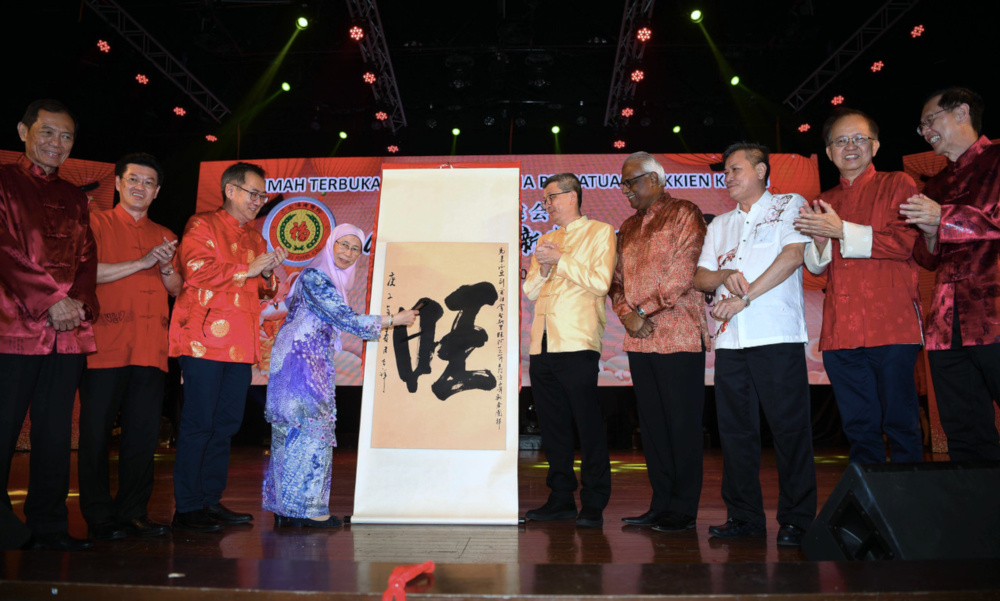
{"x": 630, "y": 50}
{"x": 374, "y": 49}
{"x": 861, "y": 40}
{"x": 141, "y": 40}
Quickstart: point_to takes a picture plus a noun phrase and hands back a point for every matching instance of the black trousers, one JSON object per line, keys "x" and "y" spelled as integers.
{"x": 773, "y": 377}
{"x": 46, "y": 383}
{"x": 137, "y": 393}
{"x": 565, "y": 390}
{"x": 670, "y": 395}
{"x": 967, "y": 384}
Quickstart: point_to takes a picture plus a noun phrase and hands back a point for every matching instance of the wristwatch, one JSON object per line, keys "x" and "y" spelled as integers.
{"x": 746, "y": 300}
{"x": 641, "y": 313}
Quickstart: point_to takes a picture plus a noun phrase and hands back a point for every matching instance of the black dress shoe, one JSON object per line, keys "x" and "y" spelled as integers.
{"x": 143, "y": 526}
{"x": 649, "y": 518}
{"x": 330, "y": 522}
{"x": 106, "y": 530}
{"x": 58, "y": 542}
{"x": 219, "y": 513}
{"x": 195, "y": 521}
{"x": 552, "y": 511}
{"x": 790, "y": 535}
{"x": 590, "y": 518}
{"x": 734, "y": 528}
{"x": 675, "y": 522}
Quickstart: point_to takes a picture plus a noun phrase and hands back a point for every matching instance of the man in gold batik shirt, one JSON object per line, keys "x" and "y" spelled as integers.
{"x": 568, "y": 279}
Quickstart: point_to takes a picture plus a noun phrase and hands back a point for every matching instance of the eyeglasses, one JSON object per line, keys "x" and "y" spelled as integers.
{"x": 858, "y": 140}
{"x": 135, "y": 181}
{"x": 550, "y": 198}
{"x": 354, "y": 250}
{"x": 628, "y": 183}
{"x": 928, "y": 121}
{"x": 258, "y": 196}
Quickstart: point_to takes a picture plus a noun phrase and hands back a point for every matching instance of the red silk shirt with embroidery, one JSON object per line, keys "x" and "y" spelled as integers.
{"x": 658, "y": 252}
{"x": 967, "y": 255}
{"x": 874, "y": 301}
{"x": 217, "y": 313}
{"x": 47, "y": 253}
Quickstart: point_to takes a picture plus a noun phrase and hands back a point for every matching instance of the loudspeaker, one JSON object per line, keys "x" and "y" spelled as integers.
{"x": 910, "y": 511}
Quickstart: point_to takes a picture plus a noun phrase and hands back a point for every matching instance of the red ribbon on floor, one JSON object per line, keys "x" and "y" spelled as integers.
{"x": 403, "y": 574}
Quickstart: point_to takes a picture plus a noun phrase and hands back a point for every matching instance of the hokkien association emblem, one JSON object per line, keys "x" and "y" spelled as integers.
{"x": 299, "y": 225}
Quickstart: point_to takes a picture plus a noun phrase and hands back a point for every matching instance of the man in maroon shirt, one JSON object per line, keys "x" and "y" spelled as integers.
{"x": 871, "y": 313}
{"x": 48, "y": 272}
{"x": 959, "y": 217}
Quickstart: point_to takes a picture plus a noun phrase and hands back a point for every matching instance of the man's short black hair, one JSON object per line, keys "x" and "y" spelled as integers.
{"x": 142, "y": 159}
{"x": 568, "y": 182}
{"x": 49, "y": 105}
{"x": 756, "y": 154}
{"x": 237, "y": 174}
{"x": 955, "y": 97}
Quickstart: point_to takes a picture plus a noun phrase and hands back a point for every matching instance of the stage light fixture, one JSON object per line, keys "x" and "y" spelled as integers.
{"x": 369, "y": 77}
{"x": 343, "y": 135}
{"x": 106, "y": 47}
{"x": 455, "y": 131}
{"x": 627, "y": 112}
{"x": 211, "y": 138}
{"x": 142, "y": 79}
{"x": 301, "y": 23}
{"x": 381, "y": 115}
{"x": 286, "y": 87}
{"x": 696, "y": 16}
{"x": 676, "y": 129}
{"x": 489, "y": 120}
{"x": 877, "y": 66}
{"x": 619, "y": 144}
{"x": 837, "y": 100}
{"x": 917, "y": 31}
{"x": 644, "y": 34}
{"x": 804, "y": 128}
{"x": 638, "y": 75}
{"x": 555, "y": 129}
{"x": 179, "y": 111}
{"x": 393, "y": 149}
{"x": 735, "y": 81}
{"x": 357, "y": 33}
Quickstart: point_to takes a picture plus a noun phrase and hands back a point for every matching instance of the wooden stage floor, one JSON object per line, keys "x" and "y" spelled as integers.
{"x": 531, "y": 561}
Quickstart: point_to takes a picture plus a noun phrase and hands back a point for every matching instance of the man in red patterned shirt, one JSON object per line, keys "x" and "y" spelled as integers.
{"x": 653, "y": 293}
{"x": 871, "y": 312}
{"x": 214, "y": 331}
{"x": 959, "y": 217}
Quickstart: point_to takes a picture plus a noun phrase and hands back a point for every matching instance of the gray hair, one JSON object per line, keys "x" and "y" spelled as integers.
{"x": 649, "y": 164}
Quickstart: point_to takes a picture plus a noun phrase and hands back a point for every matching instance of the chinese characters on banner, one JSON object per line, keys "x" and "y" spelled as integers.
{"x": 440, "y": 375}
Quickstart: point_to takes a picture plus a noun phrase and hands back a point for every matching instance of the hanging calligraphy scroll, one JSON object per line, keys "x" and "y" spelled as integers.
{"x": 436, "y": 444}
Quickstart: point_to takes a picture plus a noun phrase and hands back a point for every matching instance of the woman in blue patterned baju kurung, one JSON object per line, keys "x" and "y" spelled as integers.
{"x": 301, "y": 404}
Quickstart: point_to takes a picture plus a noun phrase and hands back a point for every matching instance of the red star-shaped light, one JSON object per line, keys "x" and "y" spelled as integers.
{"x": 142, "y": 79}
{"x": 619, "y": 144}
{"x": 877, "y": 66}
{"x": 103, "y": 46}
{"x": 211, "y": 138}
{"x": 357, "y": 33}
{"x": 381, "y": 115}
{"x": 804, "y": 127}
{"x": 637, "y": 75}
{"x": 644, "y": 34}
{"x": 393, "y": 148}
{"x": 837, "y": 100}
{"x": 180, "y": 112}
{"x": 917, "y": 31}
{"x": 627, "y": 112}
{"x": 369, "y": 77}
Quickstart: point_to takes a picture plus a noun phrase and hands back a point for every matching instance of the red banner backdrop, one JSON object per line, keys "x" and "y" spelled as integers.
{"x": 349, "y": 189}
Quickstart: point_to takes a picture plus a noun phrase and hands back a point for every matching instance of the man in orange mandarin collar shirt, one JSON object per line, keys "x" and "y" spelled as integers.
{"x": 568, "y": 280}
{"x": 214, "y": 331}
